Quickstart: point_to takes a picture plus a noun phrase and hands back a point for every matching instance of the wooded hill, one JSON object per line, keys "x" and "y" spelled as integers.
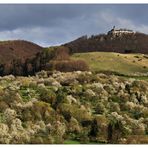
{"x": 126, "y": 43}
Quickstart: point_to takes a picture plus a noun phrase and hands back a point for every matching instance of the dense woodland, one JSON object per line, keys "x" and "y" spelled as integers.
{"x": 126, "y": 43}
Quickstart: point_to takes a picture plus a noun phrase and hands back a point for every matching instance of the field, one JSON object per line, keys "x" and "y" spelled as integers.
{"x": 127, "y": 64}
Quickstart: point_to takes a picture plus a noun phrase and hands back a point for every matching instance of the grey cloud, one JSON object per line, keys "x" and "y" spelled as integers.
{"x": 52, "y": 24}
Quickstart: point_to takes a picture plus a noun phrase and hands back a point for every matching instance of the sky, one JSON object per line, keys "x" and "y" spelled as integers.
{"x": 55, "y": 24}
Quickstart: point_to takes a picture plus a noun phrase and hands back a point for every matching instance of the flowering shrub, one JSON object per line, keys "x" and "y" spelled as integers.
{"x": 81, "y": 106}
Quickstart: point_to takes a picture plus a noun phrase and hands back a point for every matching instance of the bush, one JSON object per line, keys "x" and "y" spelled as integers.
{"x": 41, "y": 110}
{"x": 3, "y": 106}
{"x": 61, "y": 53}
{"x": 115, "y": 128}
{"x": 57, "y": 131}
{"x": 99, "y": 128}
{"x": 100, "y": 108}
{"x": 9, "y": 115}
{"x": 74, "y": 126}
{"x": 114, "y": 107}
{"x": 80, "y": 114}
{"x": 137, "y": 139}
{"x": 47, "y": 95}
{"x": 67, "y": 65}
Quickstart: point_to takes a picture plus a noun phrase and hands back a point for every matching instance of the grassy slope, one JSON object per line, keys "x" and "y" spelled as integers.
{"x": 122, "y": 63}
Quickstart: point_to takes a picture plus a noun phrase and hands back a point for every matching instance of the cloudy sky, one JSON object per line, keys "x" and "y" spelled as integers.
{"x": 49, "y": 24}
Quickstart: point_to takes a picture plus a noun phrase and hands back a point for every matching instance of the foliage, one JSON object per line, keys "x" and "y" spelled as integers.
{"x": 80, "y": 106}
{"x": 68, "y": 65}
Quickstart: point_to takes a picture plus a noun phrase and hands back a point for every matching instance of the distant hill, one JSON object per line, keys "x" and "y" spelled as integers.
{"x": 19, "y": 57}
{"x": 17, "y": 49}
{"x": 126, "y": 43}
{"x": 16, "y": 57}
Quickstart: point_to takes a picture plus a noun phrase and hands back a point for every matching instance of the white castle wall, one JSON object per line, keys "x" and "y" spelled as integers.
{"x": 120, "y": 32}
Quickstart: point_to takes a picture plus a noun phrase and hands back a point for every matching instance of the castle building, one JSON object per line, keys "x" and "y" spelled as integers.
{"x": 119, "y": 32}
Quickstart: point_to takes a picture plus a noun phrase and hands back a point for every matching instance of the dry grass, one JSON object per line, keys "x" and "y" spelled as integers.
{"x": 108, "y": 61}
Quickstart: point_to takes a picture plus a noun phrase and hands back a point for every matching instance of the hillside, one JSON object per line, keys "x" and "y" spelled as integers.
{"x": 73, "y": 107}
{"x": 17, "y": 49}
{"x": 116, "y": 62}
{"x": 126, "y": 43}
{"x": 20, "y": 57}
{"x": 15, "y": 54}
{"x": 122, "y": 51}
{"x": 69, "y": 95}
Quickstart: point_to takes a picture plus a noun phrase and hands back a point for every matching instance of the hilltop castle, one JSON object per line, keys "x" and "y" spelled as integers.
{"x": 119, "y": 32}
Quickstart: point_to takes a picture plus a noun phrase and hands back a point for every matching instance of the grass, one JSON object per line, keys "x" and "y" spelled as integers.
{"x": 2, "y": 118}
{"x": 137, "y": 77}
{"x": 77, "y": 142}
{"x": 71, "y": 142}
{"x": 109, "y": 61}
{"x": 27, "y": 94}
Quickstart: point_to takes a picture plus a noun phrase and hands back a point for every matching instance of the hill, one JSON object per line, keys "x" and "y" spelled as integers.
{"x": 124, "y": 43}
{"x": 16, "y": 56}
{"x": 20, "y": 57}
{"x": 120, "y": 63}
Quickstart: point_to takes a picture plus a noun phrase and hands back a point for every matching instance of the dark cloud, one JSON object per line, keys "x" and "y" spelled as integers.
{"x": 13, "y": 16}
{"x": 50, "y": 24}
